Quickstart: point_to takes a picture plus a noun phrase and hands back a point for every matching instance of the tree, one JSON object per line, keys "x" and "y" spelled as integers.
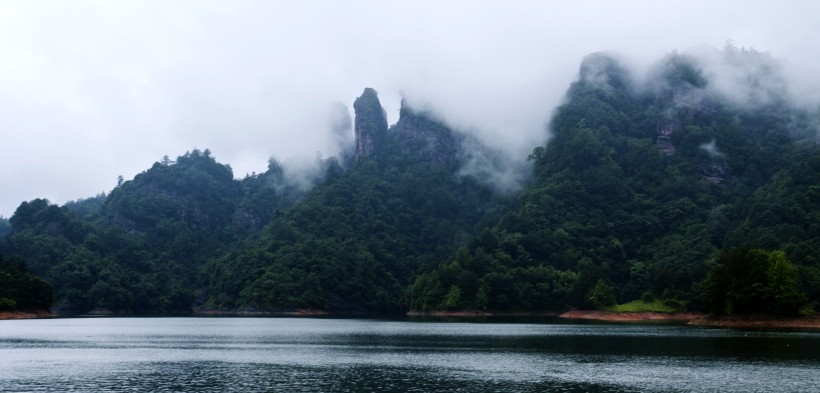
{"x": 753, "y": 281}
{"x": 601, "y": 296}
{"x": 452, "y": 300}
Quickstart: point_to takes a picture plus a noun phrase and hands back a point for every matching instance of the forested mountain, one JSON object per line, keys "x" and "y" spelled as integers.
{"x": 185, "y": 234}
{"x": 638, "y": 190}
{"x": 662, "y": 188}
{"x": 140, "y": 249}
{"x": 356, "y": 241}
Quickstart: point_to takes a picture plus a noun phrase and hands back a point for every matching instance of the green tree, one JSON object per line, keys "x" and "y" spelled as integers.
{"x": 602, "y": 297}
{"x": 753, "y": 281}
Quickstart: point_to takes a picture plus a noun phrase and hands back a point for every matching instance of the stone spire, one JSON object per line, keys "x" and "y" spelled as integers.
{"x": 370, "y": 124}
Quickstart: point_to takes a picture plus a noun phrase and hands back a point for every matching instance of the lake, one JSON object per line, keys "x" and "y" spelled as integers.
{"x": 353, "y": 355}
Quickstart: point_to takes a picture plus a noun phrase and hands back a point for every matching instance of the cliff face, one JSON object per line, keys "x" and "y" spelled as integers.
{"x": 430, "y": 140}
{"x": 665, "y": 129}
{"x": 416, "y": 133}
{"x": 370, "y": 124}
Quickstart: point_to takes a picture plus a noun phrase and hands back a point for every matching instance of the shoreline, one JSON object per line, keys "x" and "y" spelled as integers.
{"x": 608, "y": 316}
{"x": 296, "y": 312}
{"x": 811, "y": 322}
{"x": 476, "y": 314}
{"x": 27, "y": 314}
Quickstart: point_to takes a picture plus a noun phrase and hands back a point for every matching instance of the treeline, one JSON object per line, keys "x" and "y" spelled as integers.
{"x": 664, "y": 192}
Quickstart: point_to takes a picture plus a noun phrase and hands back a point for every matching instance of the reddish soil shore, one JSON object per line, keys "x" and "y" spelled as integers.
{"x": 630, "y": 316}
{"x": 810, "y": 322}
{"x": 29, "y": 314}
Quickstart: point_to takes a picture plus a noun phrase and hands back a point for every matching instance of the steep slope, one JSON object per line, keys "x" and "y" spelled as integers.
{"x": 356, "y": 240}
{"x": 636, "y": 192}
{"x": 142, "y": 248}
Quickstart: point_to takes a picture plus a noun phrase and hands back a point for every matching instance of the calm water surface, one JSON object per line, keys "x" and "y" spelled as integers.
{"x": 349, "y": 355}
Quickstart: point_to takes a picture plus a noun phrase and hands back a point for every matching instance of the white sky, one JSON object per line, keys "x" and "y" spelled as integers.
{"x": 90, "y": 90}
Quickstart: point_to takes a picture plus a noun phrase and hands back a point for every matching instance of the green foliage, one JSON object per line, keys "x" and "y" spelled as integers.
{"x": 21, "y": 290}
{"x": 601, "y": 296}
{"x": 753, "y": 281}
{"x": 5, "y": 227}
{"x": 7, "y": 304}
{"x": 141, "y": 248}
{"x": 606, "y": 204}
{"x": 656, "y": 305}
{"x": 355, "y": 242}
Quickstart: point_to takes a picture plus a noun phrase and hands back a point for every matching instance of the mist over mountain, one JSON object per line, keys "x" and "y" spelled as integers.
{"x": 645, "y": 181}
{"x": 689, "y": 184}
{"x": 105, "y": 89}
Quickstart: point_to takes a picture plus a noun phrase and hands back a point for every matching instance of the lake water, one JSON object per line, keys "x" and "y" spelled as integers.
{"x": 353, "y": 355}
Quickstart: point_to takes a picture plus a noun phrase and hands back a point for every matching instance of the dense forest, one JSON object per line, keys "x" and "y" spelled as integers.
{"x": 21, "y": 290}
{"x": 659, "y": 191}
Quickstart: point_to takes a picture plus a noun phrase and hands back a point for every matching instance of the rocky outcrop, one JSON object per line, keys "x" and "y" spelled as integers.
{"x": 370, "y": 124}
{"x": 713, "y": 173}
{"x": 665, "y": 129}
{"x": 416, "y": 133}
{"x": 428, "y": 139}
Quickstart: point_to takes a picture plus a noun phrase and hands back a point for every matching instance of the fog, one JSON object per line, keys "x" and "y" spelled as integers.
{"x": 90, "y": 90}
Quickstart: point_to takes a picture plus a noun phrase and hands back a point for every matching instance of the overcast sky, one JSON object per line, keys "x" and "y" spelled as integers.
{"x": 90, "y": 90}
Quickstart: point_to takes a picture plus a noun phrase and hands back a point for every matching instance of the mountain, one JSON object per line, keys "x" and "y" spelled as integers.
{"x": 639, "y": 189}
{"x": 354, "y": 243}
{"x": 677, "y": 187}
{"x": 140, "y": 248}
{"x": 184, "y": 234}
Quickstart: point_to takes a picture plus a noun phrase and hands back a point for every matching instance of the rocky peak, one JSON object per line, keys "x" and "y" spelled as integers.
{"x": 370, "y": 124}
{"x": 428, "y": 138}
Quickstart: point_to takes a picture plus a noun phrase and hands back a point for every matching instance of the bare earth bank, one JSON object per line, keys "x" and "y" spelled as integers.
{"x": 630, "y": 316}
{"x": 27, "y": 314}
{"x": 811, "y": 322}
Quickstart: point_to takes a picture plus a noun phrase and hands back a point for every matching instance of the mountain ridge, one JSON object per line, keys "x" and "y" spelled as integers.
{"x": 643, "y": 188}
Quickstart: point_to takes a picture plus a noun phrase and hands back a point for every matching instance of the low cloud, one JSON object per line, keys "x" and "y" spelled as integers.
{"x": 711, "y": 149}
{"x": 93, "y": 90}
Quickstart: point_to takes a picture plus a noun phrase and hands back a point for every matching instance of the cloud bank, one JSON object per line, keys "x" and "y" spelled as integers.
{"x": 90, "y": 90}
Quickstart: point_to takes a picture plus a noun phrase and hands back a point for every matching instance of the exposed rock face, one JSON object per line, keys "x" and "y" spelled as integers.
{"x": 430, "y": 139}
{"x": 370, "y": 124}
{"x": 417, "y": 133}
{"x": 713, "y": 173}
{"x": 665, "y": 130}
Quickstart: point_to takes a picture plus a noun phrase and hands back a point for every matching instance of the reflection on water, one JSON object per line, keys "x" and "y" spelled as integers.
{"x": 338, "y": 355}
